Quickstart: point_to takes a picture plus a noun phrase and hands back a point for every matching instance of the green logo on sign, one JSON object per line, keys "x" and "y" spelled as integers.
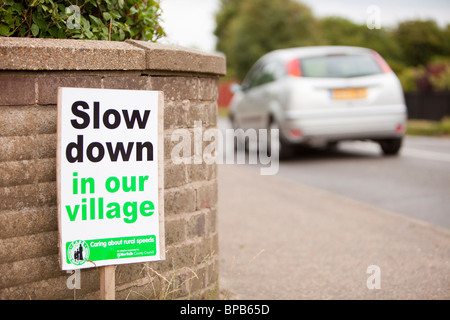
{"x": 78, "y": 252}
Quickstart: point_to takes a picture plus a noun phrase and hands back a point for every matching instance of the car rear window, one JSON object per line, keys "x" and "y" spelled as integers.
{"x": 339, "y": 66}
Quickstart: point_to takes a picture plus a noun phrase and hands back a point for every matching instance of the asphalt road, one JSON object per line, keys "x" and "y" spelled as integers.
{"x": 279, "y": 239}
{"x": 314, "y": 230}
{"x": 415, "y": 183}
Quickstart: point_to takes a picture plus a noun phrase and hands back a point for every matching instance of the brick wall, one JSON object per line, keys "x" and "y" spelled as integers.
{"x": 31, "y": 70}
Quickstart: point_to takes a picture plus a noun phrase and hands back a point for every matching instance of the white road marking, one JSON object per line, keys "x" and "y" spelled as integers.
{"x": 425, "y": 154}
{"x": 404, "y": 151}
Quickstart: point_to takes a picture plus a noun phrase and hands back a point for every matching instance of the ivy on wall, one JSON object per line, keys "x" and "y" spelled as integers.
{"x": 92, "y": 19}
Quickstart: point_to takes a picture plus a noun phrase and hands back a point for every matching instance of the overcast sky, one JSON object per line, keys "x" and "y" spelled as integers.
{"x": 191, "y": 23}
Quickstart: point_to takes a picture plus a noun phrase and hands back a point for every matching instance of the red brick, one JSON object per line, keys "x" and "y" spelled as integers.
{"x": 130, "y": 82}
{"x": 17, "y": 90}
{"x": 48, "y": 86}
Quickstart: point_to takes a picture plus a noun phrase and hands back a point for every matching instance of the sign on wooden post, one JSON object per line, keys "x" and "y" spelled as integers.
{"x": 110, "y": 175}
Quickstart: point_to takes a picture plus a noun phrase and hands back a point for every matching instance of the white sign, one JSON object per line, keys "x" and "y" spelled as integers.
{"x": 110, "y": 177}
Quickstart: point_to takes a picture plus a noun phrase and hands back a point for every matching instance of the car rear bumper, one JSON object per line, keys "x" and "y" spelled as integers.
{"x": 350, "y": 123}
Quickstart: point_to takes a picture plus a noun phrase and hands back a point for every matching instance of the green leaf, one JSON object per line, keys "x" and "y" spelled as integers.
{"x": 9, "y": 19}
{"x": 61, "y": 34}
{"x": 4, "y": 30}
{"x": 86, "y": 24}
{"x": 89, "y": 34}
{"x": 133, "y": 10}
{"x": 121, "y": 35}
{"x": 129, "y": 21}
{"x": 134, "y": 31}
{"x": 107, "y": 16}
{"x": 18, "y": 7}
{"x": 53, "y": 31}
{"x": 39, "y": 21}
{"x": 96, "y": 20}
{"x": 34, "y": 29}
{"x": 115, "y": 14}
{"x": 109, "y": 4}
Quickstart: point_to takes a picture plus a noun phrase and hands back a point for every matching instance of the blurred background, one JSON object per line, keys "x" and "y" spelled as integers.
{"x": 412, "y": 36}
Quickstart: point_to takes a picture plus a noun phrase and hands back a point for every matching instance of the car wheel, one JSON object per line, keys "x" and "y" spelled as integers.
{"x": 391, "y": 147}
{"x": 276, "y": 143}
{"x": 239, "y": 139}
{"x": 232, "y": 120}
{"x": 332, "y": 146}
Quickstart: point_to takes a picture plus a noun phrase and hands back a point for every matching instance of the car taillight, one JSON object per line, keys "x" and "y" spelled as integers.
{"x": 400, "y": 128}
{"x": 294, "y": 68}
{"x": 381, "y": 62}
{"x": 296, "y": 132}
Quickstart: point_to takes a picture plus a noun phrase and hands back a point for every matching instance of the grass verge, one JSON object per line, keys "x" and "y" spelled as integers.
{"x": 429, "y": 128}
{"x": 222, "y": 112}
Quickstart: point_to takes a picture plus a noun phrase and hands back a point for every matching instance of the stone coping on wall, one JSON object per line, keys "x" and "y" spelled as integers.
{"x": 69, "y": 54}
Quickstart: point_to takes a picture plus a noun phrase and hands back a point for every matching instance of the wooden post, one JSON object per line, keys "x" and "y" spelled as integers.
{"x": 108, "y": 283}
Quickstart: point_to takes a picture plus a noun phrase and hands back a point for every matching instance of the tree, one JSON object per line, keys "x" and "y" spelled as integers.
{"x": 229, "y": 9}
{"x": 91, "y": 19}
{"x": 420, "y": 41}
{"x": 247, "y": 29}
{"x": 340, "y": 31}
{"x": 446, "y": 43}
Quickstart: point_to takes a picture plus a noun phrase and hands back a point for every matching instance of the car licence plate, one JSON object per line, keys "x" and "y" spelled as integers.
{"x": 349, "y": 93}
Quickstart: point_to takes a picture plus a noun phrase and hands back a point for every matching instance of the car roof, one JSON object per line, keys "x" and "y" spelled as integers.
{"x": 302, "y": 52}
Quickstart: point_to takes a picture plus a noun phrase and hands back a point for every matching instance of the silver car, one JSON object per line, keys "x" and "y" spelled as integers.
{"x": 321, "y": 95}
